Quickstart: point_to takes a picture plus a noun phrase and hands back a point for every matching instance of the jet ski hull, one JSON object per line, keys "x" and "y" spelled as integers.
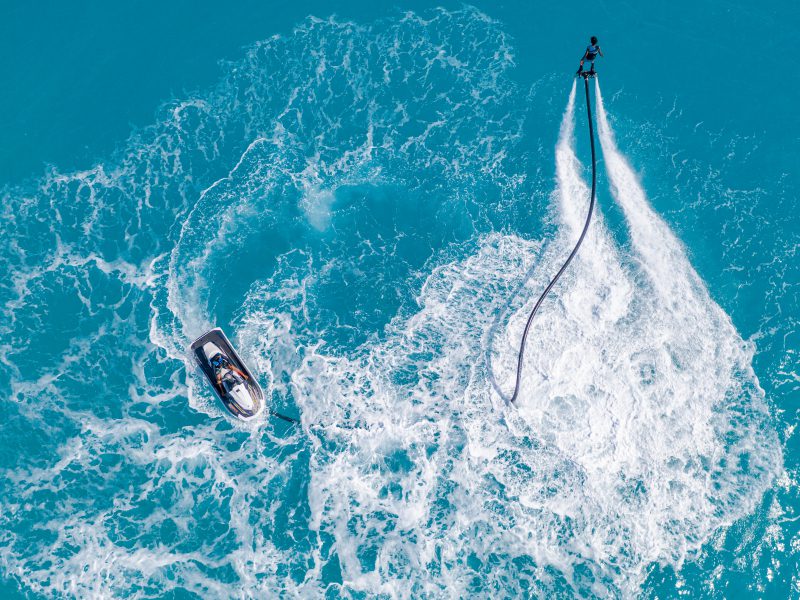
{"x": 244, "y": 399}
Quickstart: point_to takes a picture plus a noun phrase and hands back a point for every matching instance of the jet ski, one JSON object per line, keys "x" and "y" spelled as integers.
{"x": 230, "y": 379}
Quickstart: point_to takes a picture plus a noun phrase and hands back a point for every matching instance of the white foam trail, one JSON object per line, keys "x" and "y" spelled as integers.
{"x": 661, "y": 252}
{"x": 572, "y": 193}
{"x": 643, "y": 384}
{"x": 695, "y": 372}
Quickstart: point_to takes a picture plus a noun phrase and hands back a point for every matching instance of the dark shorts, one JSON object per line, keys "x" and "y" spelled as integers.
{"x": 591, "y": 57}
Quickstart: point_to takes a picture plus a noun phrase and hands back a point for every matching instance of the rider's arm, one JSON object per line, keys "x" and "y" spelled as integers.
{"x": 239, "y": 372}
{"x": 600, "y": 52}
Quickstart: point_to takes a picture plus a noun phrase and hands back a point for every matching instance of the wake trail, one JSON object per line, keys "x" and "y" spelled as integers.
{"x": 660, "y": 249}
{"x": 696, "y": 350}
{"x": 641, "y": 383}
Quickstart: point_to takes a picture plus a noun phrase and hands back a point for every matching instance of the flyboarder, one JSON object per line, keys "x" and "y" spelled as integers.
{"x": 592, "y": 50}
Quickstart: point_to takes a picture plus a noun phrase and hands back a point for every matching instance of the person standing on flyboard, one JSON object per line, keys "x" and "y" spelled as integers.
{"x": 592, "y": 50}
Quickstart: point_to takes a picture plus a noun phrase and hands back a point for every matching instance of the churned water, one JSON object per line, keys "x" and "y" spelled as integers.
{"x": 369, "y": 204}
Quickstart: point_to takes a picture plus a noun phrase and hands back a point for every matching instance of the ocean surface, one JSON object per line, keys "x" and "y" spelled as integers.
{"x": 368, "y": 199}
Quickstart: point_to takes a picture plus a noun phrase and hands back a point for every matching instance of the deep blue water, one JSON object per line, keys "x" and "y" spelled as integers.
{"x": 368, "y": 199}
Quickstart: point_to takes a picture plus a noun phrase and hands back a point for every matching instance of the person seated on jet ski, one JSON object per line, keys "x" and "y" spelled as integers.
{"x": 592, "y": 50}
{"x": 219, "y": 362}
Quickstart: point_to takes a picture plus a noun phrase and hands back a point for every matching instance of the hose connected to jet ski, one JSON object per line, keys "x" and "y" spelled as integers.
{"x": 586, "y": 75}
{"x": 274, "y": 413}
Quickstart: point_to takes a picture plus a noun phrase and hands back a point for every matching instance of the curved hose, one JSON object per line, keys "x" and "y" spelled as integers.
{"x": 572, "y": 254}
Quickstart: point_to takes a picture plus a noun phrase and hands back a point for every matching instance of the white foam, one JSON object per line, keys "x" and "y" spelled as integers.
{"x": 629, "y": 446}
{"x": 637, "y": 412}
{"x": 317, "y": 204}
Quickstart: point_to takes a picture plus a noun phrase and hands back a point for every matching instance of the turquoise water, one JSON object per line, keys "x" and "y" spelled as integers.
{"x": 368, "y": 200}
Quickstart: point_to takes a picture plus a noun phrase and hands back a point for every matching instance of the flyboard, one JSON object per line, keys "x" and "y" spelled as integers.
{"x": 229, "y": 377}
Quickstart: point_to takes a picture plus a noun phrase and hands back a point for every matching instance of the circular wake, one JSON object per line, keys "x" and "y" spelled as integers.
{"x": 346, "y": 202}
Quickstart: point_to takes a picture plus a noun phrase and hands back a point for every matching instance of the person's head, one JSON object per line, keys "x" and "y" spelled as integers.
{"x": 594, "y": 40}
{"x": 217, "y": 360}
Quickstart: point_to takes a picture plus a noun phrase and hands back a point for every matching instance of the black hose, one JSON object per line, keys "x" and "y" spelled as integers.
{"x": 574, "y": 250}
{"x": 284, "y": 417}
